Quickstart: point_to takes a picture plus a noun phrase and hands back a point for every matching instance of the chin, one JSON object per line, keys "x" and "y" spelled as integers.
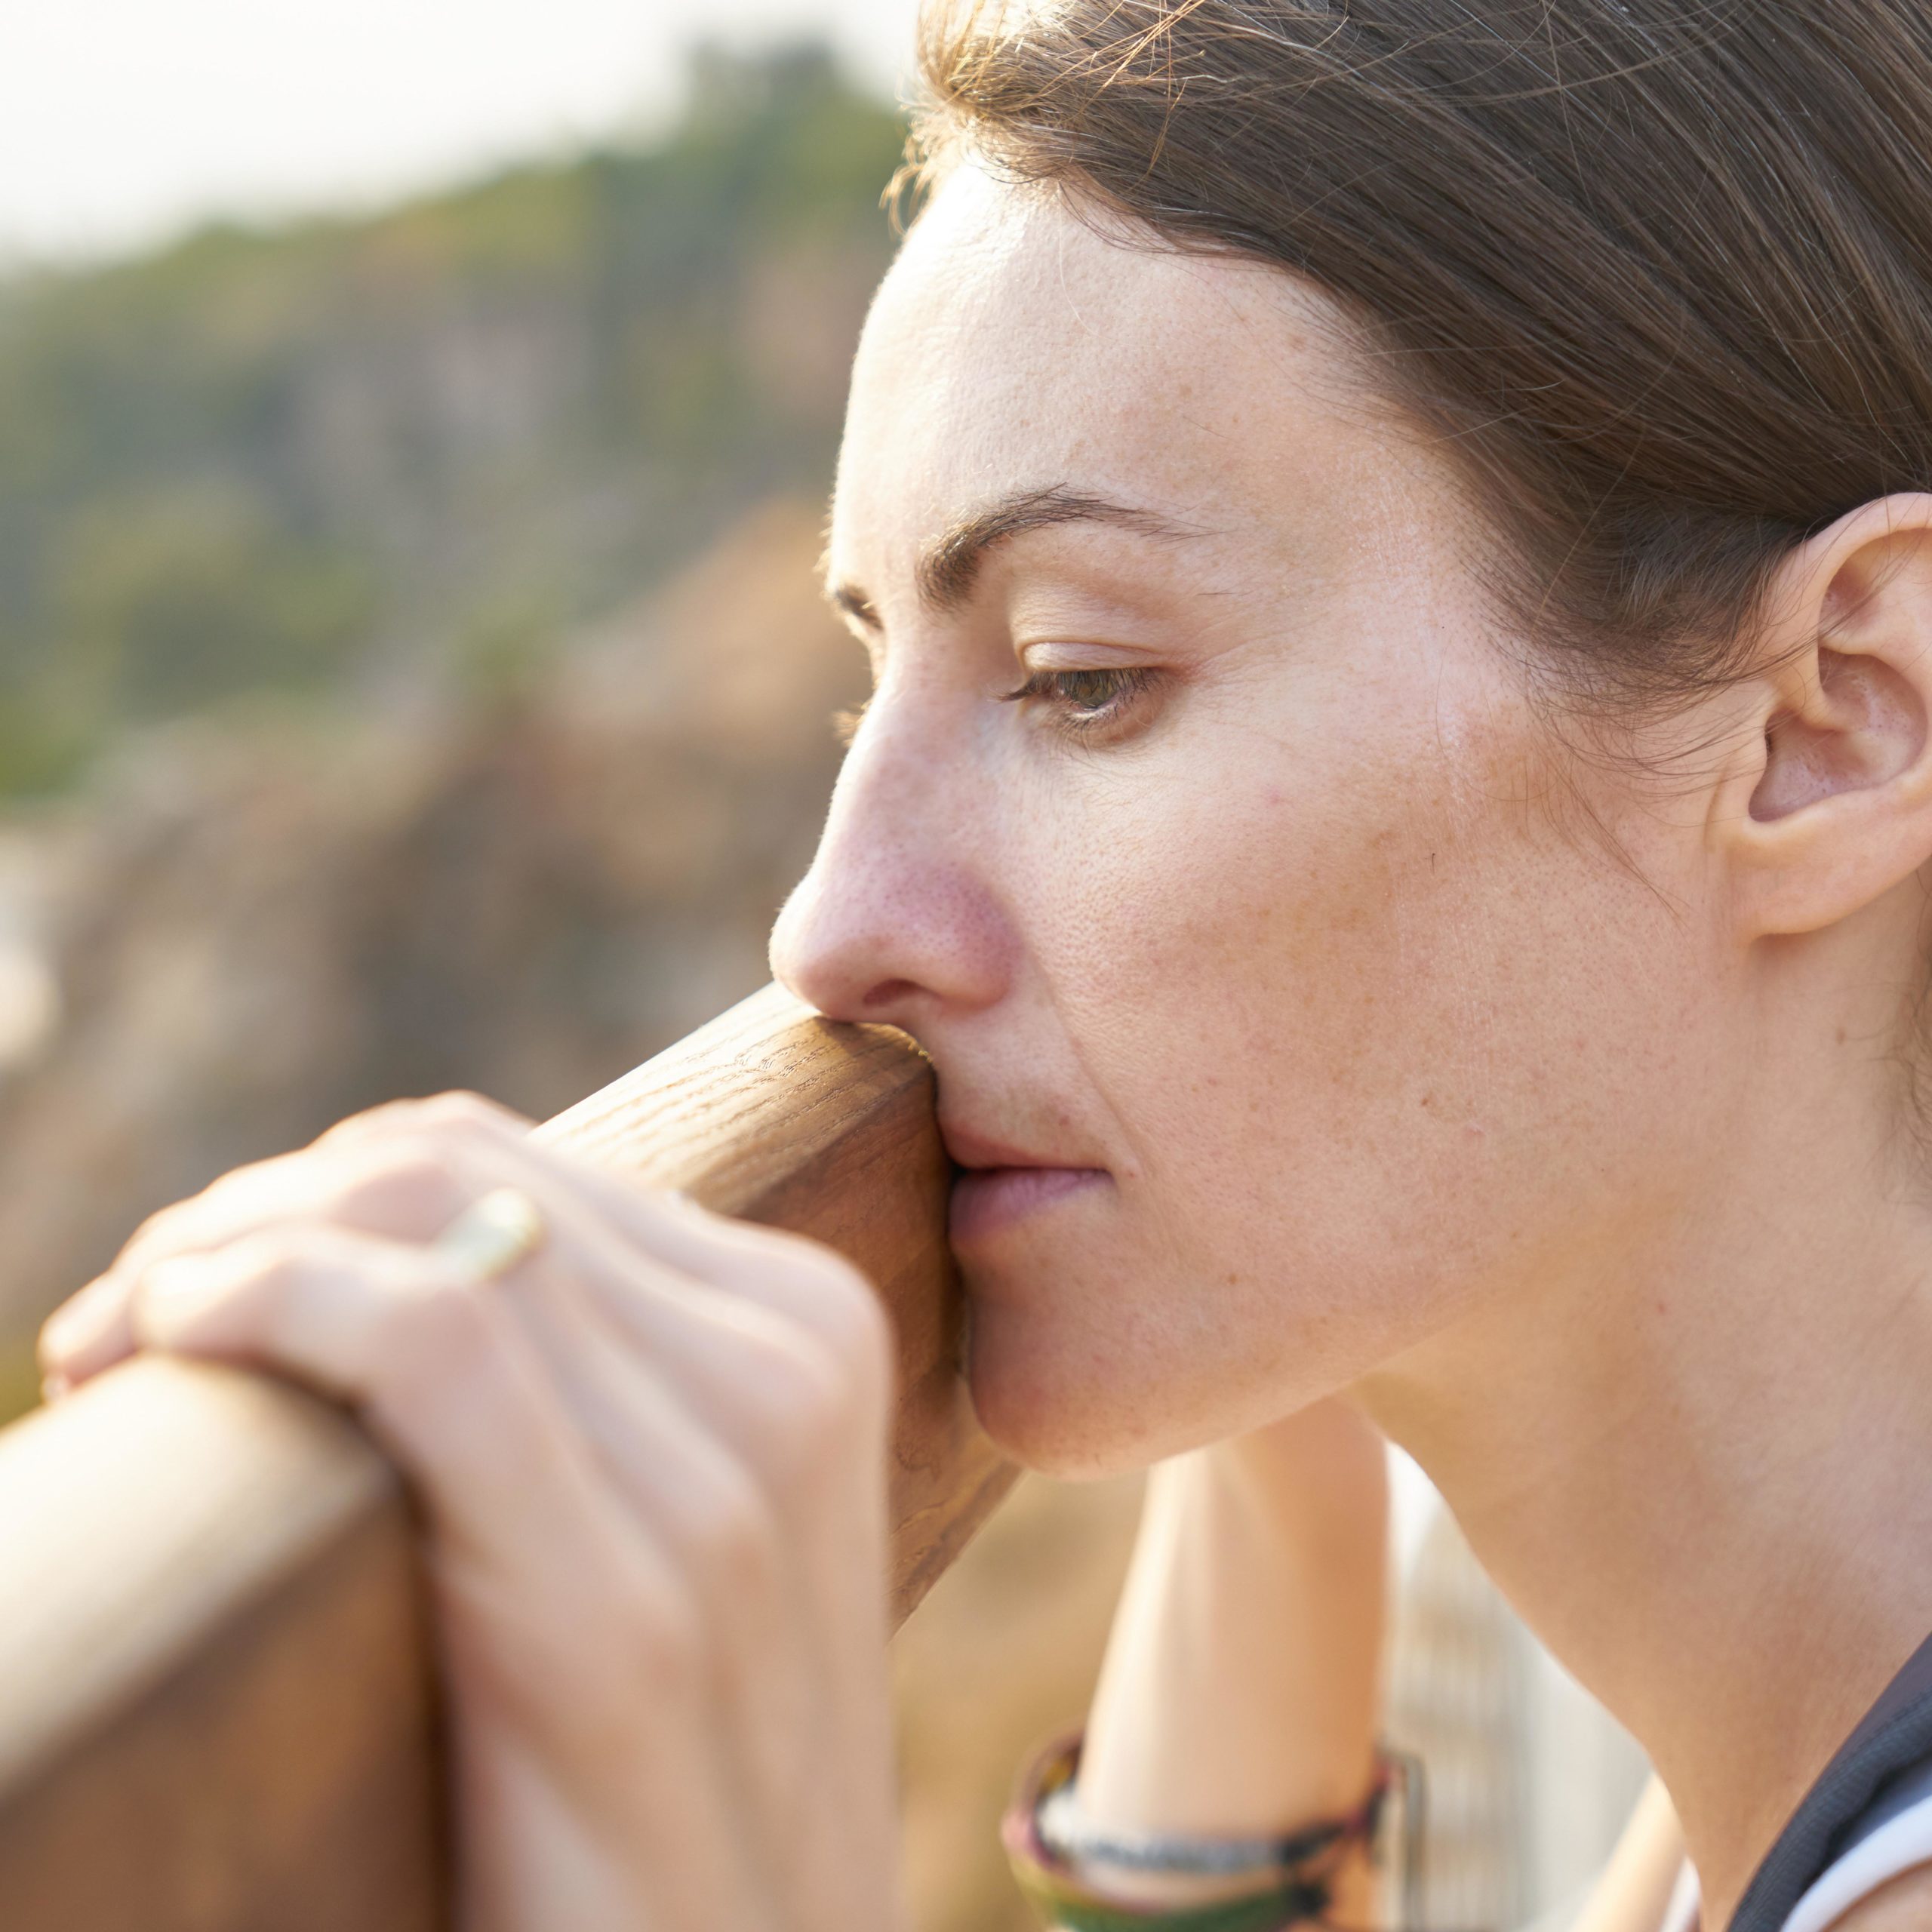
{"x": 1056, "y": 1406}
{"x": 1080, "y": 1378}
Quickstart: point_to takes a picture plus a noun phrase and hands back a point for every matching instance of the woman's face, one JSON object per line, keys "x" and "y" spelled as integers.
{"x": 1298, "y": 1003}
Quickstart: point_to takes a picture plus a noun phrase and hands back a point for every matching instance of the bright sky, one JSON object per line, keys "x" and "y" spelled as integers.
{"x": 122, "y": 120}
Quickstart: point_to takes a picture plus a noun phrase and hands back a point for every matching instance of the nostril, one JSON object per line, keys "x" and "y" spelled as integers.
{"x": 887, "y": 993}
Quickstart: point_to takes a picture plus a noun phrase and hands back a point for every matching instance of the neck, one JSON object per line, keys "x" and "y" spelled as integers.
{"x": 1699, "y": 1475}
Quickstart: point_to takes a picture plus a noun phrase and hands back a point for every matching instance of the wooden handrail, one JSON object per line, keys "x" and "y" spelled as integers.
{"x": 218, "y": 1709}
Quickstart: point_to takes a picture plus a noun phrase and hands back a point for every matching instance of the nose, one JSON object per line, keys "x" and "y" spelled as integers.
{"x": 898, "y": 920}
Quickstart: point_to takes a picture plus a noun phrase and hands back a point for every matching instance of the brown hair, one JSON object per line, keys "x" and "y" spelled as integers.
{"x": 1661, "y": 270}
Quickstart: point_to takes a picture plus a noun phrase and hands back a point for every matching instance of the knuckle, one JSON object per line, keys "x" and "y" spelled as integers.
{"x": 442, "y": 1334}
{"x": 411, "y": 1185}
{"x": 733, "y": 1539}
{"x": 658, "y": 1623}
{"x": 386, "y": 1117}
{"x": 456, "y": 1110}
{"x": 152, "y": 1238}
{"x": 804, "y": 1415}
{"x": 460, "y": 1107}
{"x": 847, "y": 1316}
{"x": 837, "y": 1303}
{"x": 269, "y": 1262}
{"x": 635, "y": 1641}
{"x": 864, "y": 1338}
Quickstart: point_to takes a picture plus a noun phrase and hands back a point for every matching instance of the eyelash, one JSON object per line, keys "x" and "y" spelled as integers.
{"x": 1079, "y": 712}
{"x": 1078, "y": 719}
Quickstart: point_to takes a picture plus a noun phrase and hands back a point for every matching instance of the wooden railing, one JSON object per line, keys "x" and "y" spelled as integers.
{"x": 217, "y": 1708}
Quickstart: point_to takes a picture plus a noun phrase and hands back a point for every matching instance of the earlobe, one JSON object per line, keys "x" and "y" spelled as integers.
{"x": 1835, "y": 806}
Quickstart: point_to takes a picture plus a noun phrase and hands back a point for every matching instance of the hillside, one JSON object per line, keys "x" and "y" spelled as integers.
{"x": 372, "y": 460}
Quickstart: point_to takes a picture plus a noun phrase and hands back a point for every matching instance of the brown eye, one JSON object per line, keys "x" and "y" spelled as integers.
{"x": 1085, "y": 692}
{"x": 1083, "y": 702}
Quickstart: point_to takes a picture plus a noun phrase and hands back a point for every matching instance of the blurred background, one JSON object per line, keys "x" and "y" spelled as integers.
{"x": 415, "y": 418}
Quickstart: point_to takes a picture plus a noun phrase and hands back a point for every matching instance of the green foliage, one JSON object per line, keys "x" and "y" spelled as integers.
{"x": 285, "y": 460}
{"x": 178, "y": 598}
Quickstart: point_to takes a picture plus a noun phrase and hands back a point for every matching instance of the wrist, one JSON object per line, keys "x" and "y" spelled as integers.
{"x": 1125, "y": 1878}
{"x": 1324, "y": 1464}
{"x": 1239, "y": 1694}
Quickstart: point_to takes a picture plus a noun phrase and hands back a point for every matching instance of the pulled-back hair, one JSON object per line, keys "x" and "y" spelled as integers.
{"x": 1659, "y": 271}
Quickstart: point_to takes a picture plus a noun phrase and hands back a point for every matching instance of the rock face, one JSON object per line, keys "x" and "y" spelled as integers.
{"x": 256, "y": 926}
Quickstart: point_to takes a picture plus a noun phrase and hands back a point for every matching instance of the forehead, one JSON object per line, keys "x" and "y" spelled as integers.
{"x": 1012, "y": 345}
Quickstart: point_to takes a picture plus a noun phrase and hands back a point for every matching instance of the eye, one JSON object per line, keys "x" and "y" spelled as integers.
{"x": 1085, "y": 703}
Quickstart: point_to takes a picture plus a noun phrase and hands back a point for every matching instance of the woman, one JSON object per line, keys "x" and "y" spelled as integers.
{"x": 1398, "y": 800}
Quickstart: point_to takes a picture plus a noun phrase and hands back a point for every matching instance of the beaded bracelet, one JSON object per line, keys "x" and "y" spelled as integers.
{"x": 1048, "y": 1848}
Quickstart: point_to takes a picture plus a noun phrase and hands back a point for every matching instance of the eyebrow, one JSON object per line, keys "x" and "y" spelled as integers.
{"x": 950, "y": 566}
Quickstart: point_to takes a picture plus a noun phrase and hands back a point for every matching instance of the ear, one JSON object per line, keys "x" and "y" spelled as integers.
{"x": 1829, "y": 804}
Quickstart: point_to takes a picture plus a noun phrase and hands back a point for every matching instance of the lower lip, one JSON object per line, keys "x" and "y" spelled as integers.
{"x": 986, "y": 1200}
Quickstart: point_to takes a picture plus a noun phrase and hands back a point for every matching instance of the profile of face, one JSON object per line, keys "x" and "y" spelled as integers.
{"x": 1298, "y": 999}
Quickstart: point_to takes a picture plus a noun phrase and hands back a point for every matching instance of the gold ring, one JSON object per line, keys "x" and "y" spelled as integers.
{"x": 493, "y": 1233}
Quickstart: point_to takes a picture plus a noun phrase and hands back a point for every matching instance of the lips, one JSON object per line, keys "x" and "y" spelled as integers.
{"x": 987, "y": 1201}
{"x": 1000, "y": 1186}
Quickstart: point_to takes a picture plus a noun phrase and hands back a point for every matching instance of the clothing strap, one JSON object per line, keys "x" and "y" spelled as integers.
{"x": 1894, "y": 1735}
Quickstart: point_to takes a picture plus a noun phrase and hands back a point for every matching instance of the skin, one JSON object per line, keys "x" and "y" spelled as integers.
{"x": 1547, "y": 1101}
{"x": 1322, "y": 1022}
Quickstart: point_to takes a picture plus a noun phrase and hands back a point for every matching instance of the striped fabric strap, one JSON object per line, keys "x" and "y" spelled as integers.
{"x": 1063, "y": 1897}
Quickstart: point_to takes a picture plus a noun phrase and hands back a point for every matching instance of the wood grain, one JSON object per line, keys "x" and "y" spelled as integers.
{"x": 217, "y": 1708}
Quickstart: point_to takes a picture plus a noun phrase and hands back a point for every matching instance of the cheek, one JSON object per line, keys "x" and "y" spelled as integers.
{"x": 1355, "y": 1032}
{"x": 1283, "y": 963}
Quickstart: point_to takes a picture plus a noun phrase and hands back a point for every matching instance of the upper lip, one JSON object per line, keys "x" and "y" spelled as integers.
{"x": 970, "y": 1149}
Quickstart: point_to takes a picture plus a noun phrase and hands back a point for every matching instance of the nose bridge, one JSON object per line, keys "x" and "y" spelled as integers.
{"x": 897, "y": 907}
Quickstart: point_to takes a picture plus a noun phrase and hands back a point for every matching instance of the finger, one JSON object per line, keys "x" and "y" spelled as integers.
{"x": 651, "y": 1437}
{"x": 787, "y": 1272}
{"x": 790, "y": 1312}
{"x": 384, "y": 1188}
{"x": 372, "y": 1189}
{"x": 430, "y": 1113}
{"x": 441, "y": 1371}
{"x": 765, "y": 1387}
{"x": 406, "y": 1169}
{"x": 814, "y": 1445}
{"x": 776, "y": 1581}
{"x": 389, "y": 1177}
{"x": 704, "y": 1506}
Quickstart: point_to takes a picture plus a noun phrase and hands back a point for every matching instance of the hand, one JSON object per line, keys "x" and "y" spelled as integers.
{"x": 652, "y": 1457}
